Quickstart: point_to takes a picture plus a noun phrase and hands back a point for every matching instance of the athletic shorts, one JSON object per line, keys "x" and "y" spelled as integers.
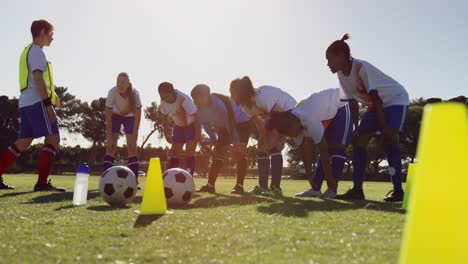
{"x": 340, "y": 130}
{"x": 241, "y": 135}
{"x": 34, "y": 122}
{"x": 128, "y": 123}
{"x": 395, "y": 116}
{"x": 183, "y": 134}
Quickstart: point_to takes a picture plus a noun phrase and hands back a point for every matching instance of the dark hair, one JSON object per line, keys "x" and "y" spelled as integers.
{"x": 200, "y": 88}
{"x": 340, "y": 46}
{"x": 131, "y": 92}
{"x": 282, "y": 121}
{"x": 244, "y": 89}
{"x": 38, "y": 25}
{"x": 166, "y": 87}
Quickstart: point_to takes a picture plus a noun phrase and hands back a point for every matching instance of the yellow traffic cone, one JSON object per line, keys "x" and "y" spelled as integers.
{"x": 154, "y": 199}
{"x": 409, "y": 181}
{"x": 436, "y": 229}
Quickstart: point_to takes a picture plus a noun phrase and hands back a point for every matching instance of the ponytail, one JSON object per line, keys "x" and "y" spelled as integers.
{"x": 339, "y": 46}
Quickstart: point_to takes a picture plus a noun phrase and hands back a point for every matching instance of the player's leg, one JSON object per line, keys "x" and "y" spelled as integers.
{"x": 178, "y": 141}
{"x": 366, "y": 130}
{"x": 111, "y": 142}
{"x": 48, "y": 152}
{"x": 190, "y": 148}
{"x": 241, "y": 138}
{"x": 395, "y": 117}
{"x": 219, "y": 154}
{"x": 263, "y": 165}
{"x": 23, "y": 142}
{"x": 276, "y": 160}
{"x": 131, "y": 145}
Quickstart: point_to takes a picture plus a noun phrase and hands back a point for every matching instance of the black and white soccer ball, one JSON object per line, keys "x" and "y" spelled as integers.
{"x": 118, "y": 185}
{"x": 178, "y": 187}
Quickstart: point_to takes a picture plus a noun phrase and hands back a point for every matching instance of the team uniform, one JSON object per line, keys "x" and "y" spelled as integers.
{"x": 182, "y": 113}
{"x": 122, "y": 116}
{"x": 224, "y": 130}
{"x": 364, "y": 78}
{"x": 268, "y": 98}
{"x": 34, "y": 118}
{"x": 324, "y": 115}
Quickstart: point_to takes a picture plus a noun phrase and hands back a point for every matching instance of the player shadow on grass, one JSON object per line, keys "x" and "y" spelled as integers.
{"x": 60, "y": 197}
{"x": 218, "y": 200}
{"x": 13, "y": 194}
{"x": 296, "y": 207}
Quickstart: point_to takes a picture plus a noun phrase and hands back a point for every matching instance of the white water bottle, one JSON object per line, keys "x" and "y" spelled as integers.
{"x": 81, "y": 185}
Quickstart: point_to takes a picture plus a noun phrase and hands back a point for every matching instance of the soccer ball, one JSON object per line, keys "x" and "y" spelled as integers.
{"x": 118, "y": 185}
{"x": 178, "y": 187}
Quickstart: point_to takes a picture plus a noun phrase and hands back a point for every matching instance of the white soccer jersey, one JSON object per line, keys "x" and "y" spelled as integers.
{"x": 269, "y": 97}
{"x": 317, "y": 112}
{"x": 181, "y": 111}
{"x": 120, "y": 105}
{"x": 364, "y": 77}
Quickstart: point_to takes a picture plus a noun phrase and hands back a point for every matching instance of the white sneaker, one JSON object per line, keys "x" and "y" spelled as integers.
{"x": 309, "y": 193}
{"x": 328, "y": 194}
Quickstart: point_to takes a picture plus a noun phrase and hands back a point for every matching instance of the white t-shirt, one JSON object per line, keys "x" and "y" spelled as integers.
{"x": 364, "y": 77}
{"x": 36, "y": 62}
{"x": 181, "y": 111}
{"x": 316, "y": 113}
{"x": 266, "y": 98}
{"x": 119, "y": 104}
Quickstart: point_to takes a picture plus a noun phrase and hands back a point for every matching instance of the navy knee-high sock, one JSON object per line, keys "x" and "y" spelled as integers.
{"x": 319, "y": 176}
{"x": 190, "y": 164}
{"x": 263, "y": 162}
{"x": 338, "y": 159}
{"x": 394, "y": 164}
{"x": 359, "y": 166}
{"x": 276, "y": 167}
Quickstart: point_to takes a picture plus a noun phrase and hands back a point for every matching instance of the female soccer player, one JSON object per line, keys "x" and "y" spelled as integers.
{"x": 326, "y": 120}
{"x": 178, "y": 108}
{"x": 258, "y": 103}
{"x": 123, "y": 108}
{"x": 37, "y": 103}
{"x": 386, "y": 101}
{"x": 231, "y": 126}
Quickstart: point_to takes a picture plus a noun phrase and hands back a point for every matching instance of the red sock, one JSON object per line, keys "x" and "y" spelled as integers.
{"x": 46, "y": 160}
{"x": 8, "y": 157}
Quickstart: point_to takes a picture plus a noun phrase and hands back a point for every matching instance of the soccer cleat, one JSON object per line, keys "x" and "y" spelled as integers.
{"x": 5, "y": 186}
{"x": 309, "y": 193}
{"x": 257, "y": 190}
{"x": 238, "y": 189}
{"x": 328, "y": 194}
{"x": 48, "y": 187}
{"x": 394, "y": 196}
{"x": 208, "y": 188}
{"x": 274, "y": 192}
{"x": 352, "y": 194}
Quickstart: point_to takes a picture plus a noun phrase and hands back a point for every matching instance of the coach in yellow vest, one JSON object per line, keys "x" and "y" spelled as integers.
{"x": 36, "y": 108}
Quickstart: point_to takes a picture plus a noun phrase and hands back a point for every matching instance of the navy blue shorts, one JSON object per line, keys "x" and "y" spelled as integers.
{"x": 340, "y": 130}
{"x": 395, "y": 116}
{"x": 34, "y": 122}
{"x": 184, "y": 134}
{"x": 127, "y": 121}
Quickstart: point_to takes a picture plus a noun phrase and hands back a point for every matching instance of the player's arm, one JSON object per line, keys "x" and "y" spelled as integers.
{"x": 259, "y": 124}
{"x": 307, "y": 158}
{"x": 42, "y": 89}
{"x": 166, "y": 127}
{"x": 197, "y": 125}
{"x": 326, "y": 164}
{"x": 136, "y": 127}
{"x": 379, "y": 110}
{"x": 354, "y": 107}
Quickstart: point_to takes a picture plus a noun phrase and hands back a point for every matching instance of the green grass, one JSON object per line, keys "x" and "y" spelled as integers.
{"x": 221, "y": 228}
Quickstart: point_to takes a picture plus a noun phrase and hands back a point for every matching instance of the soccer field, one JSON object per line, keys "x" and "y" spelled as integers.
{"x": 221, "y": 228}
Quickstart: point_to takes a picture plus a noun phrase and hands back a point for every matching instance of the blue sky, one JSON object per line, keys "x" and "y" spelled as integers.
{"x": 422, "y": 44}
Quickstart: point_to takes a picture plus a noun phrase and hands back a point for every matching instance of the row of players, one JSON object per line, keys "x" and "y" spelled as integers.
{"x": 326, "y": 118}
